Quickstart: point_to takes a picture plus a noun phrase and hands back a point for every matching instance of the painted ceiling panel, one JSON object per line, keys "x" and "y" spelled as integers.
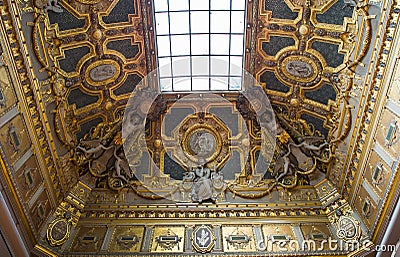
{"x": 322, "y": 95}
{"x": 66, "y": 20}
{"x": 336, "y": 13}
{"x": 80, "y": 98}
{"x": 125, "y": 47}
{"x": 280, "y": 10}
{"x": 272, "y": 82}
{"x": 120, "y": 12}
{"x": 330, "y": 52}
{"x": 72, "y": 57}
{"x": 276, "y": 43}
{"x": 128, "y": 85}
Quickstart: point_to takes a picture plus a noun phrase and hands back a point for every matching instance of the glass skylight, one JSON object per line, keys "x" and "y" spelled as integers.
{"x": 200, "y": 44}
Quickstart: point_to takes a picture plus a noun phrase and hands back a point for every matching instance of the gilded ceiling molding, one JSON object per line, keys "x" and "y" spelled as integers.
{"x": 100, "y": 154}
{"x": 363, "y": 137}
{"x": 355, "y": 38}
{"x": 302, "y": 69}
{"x": 67, "y": 214}
{"x": 316, "y": 71}
{"x": 370, "y": 111}
{"x": 31, "y": 105}
{"x": 374, "y": 94}
{"x": 18, "y": 204}
{"x": 70, "y": 119}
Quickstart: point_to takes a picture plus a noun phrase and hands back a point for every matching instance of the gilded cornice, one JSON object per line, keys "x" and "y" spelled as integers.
{"x": 17, "y": 203}
{"x": 373, "y": 94}
{"x": 31, "y": 105}
{"x": 371, "y": 109}
{"x": 393, "y": 194}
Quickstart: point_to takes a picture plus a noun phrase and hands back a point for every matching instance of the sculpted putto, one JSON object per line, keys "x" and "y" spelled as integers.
{"x": 202, "y": 178}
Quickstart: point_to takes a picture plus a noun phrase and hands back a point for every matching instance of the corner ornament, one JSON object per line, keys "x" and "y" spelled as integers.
{"x": 58, "y": 231}
{"x": 203, "y": 239}
{"x": 348, "y": 228}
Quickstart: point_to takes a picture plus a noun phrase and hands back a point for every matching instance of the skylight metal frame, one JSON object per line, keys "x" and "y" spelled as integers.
{"x": 233, "y": 73}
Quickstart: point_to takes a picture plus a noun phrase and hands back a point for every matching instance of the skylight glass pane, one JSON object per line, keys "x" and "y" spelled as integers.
{"x": 179, "y": 22}
{"x": 179, "y": 45}
{"x": 220, "y": 65}
{"x": 163, "y": 46}
{"x": 236, "y": 45}
{"x": 219, "y": 83}
{"x": 199, "y": 5}
{"x": 219, "y": 44}
{"x": 237, "y": 21}
{"x": 165, "y": 67}
{"x": 238, "y": 4}
{"x": 160, "y": 5}
{"x": 236, "y": 66}
{"x": 162, "y": 26}
{"x": 166, "y": 84}
{"x": 178, "y": 5}
{"x": 220, "y": 22}
{"x": 200, "y": 66}
{"x": 235, "y": 83}
{"x": 182, "y": 84}
{"x": 220, "y": 5}
{"x": 199, "y": 22}
{"x": 201, "y": 83}
{"x": 200, "y": 44}
{"x": 201, "y": 47}
{"x": 181, "y": 66}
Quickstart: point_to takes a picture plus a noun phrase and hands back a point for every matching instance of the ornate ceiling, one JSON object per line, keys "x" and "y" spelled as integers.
{"x": 97, "y": 161}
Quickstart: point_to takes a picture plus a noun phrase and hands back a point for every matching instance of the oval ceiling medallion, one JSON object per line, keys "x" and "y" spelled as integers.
{"x": 102, "y": 72}
{"x": 301, "y": 68}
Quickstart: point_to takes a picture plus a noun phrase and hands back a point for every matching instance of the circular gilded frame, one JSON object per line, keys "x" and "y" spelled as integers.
{"x": 203, "y": 129}
{"x": 60, "y": 226}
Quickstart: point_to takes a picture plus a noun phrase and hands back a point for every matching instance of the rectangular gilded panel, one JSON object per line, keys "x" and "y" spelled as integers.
{"x": 387, "y": 134}
{"x": 40, "y": 209}
{"x": 366, "y": 207}
{"x": 28, "y": 178}
{"x": 14, "y": 138}
{"x": 278, "y": 237}
{"x": 316, "y": 236}
{"x": 238, "y": 239}
{"x": 7, "y": 94}
{"x": 127, "y": 239}
{"x": 377, "y": 174}
{"x": 168, "y": 239}
{"x": 89, "y": 239}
